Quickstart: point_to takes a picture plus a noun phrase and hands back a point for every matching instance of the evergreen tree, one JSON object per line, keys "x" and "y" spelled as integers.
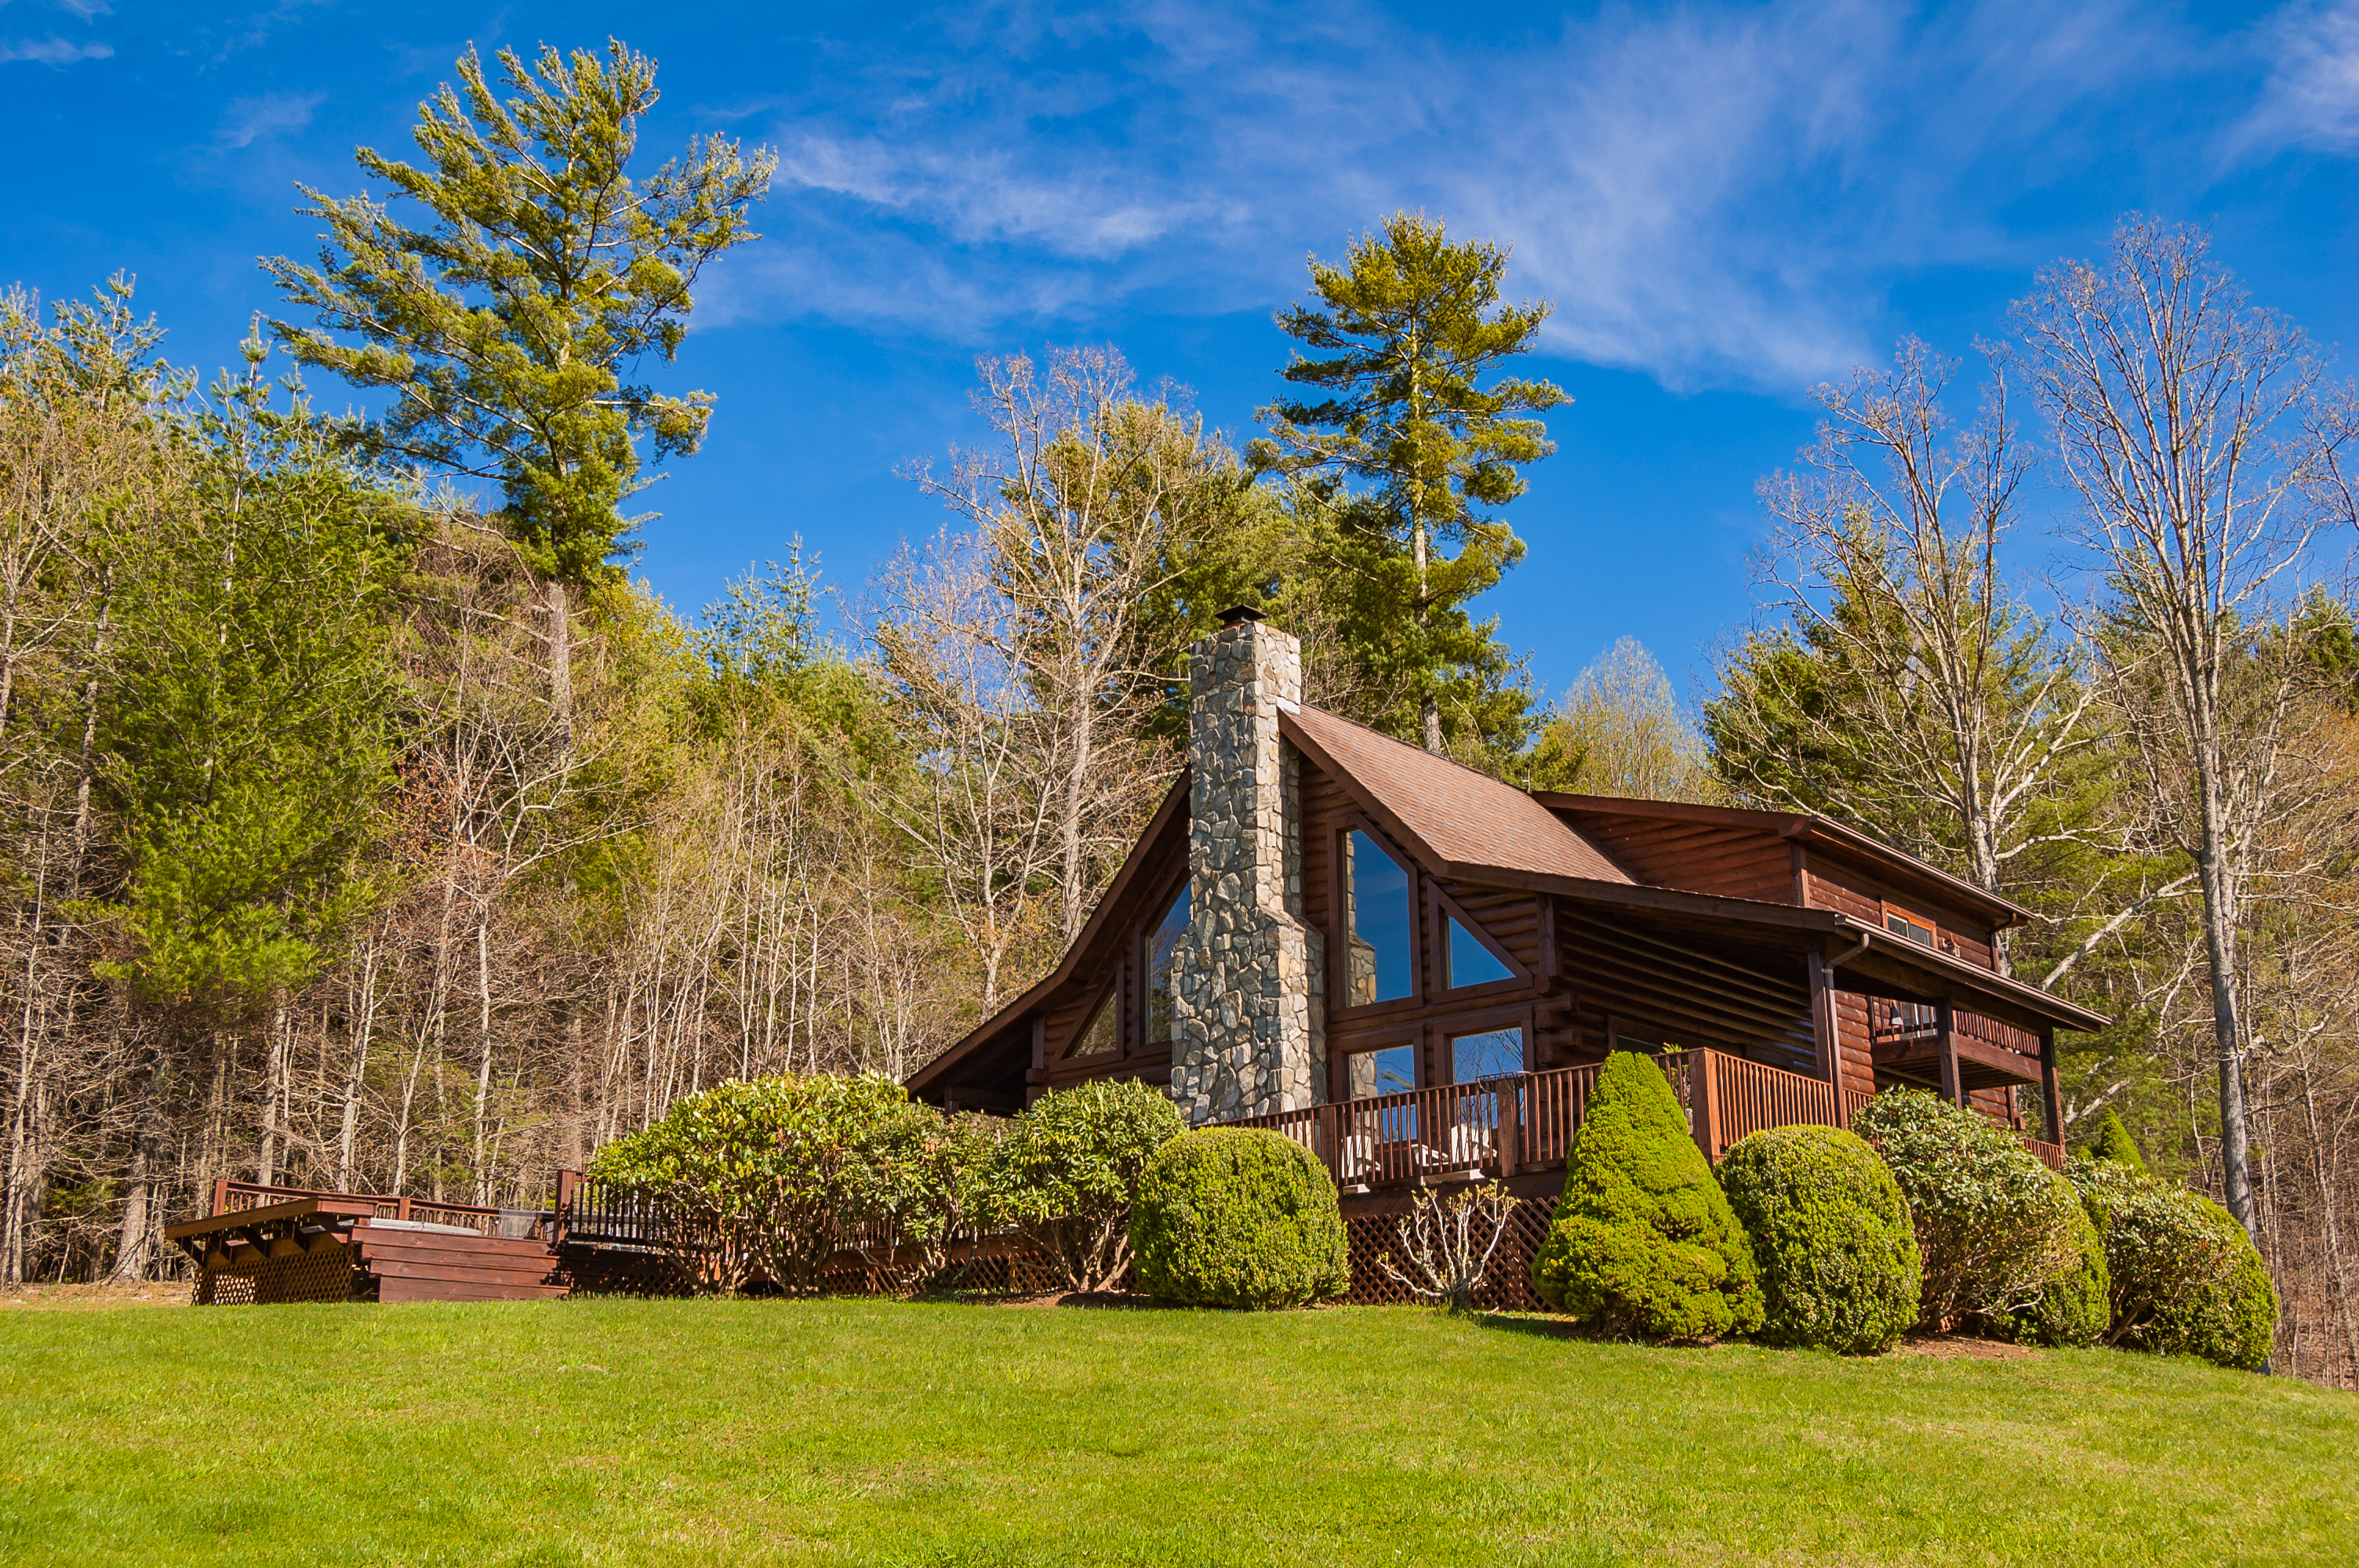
{"x": 246, "y": 744}
{"x": 2114, "y": 1143}
{"x": 505, "y": 326}
{"x": 1408, "y": 327}
{"x": 1643, "y": 1241}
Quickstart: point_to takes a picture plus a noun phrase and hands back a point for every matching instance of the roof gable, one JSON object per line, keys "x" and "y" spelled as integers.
{"x": 1451, "y": 815}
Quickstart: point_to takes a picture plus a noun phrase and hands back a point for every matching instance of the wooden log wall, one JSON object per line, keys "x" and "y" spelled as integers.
{"x": 1654, "y": 987}
{"x": 1702, "y": 857}
{"x": 1855, "y": 890}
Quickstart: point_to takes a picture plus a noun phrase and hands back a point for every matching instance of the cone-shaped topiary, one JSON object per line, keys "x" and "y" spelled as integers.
{"x": 1238, "y": 1216}
{"x": 1838, "y": 1256}
{"x": 1644, "y": 1243}
{"x": 2114, "y": 1142}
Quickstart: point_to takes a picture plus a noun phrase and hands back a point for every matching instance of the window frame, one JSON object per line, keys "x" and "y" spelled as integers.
{"x": 1141, "y": 956}
{"x": 1910, "y": 917}
{"x": 1340, "y": 904}
{"x": 1440, "y": 910}
{"x": 1339, "y": 1076}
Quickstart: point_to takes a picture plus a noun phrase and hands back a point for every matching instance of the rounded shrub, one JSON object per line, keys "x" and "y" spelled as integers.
{"x": 1644, "y": 1243}
{"x": 1238, "y": 1216}
{"x": 1069, "y": 1168}
{"x": 2185, "y": 1279}
{"x": 1830, "y": 1236}
{"x": 2072, "y": 1308}
{"x": 1999, "y": 1237}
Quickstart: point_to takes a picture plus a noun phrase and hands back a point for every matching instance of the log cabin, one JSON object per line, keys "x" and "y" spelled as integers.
{"x": 1415, "y": 969}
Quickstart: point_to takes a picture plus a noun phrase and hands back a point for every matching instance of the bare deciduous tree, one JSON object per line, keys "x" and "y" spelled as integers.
{"x": 2205, "y": 447}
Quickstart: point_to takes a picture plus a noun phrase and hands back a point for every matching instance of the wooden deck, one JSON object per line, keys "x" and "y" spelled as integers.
{"x": 259, "y": 1244}
{"x": 1524, "y": 1123}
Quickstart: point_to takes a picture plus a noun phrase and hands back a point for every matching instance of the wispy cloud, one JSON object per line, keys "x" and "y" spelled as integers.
{"x": 2312, "y": 96}
{"x": 51, "y": 50}
{"x": 86, "y": 9}
{"x": 1710, "y": 193}
{"x": 250, "y": 120}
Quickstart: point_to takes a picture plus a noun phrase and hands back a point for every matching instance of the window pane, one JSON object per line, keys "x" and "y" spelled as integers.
{"x": 1388, "y": 1072}
{"x": 1376, "y": 896}
{"x": 1104, "y": 1031}
{"x": 1490, "y": 1055}
{"x": 1904, "y": 926}
{"x": 1159, "y": 944}
{"x": 1471, "y": 963}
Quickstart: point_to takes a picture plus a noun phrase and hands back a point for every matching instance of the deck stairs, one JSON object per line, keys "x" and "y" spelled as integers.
{"x": 446, "y": 1264}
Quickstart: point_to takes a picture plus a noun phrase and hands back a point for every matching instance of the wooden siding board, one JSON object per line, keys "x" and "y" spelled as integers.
{"x": 1622, "y": 975}
{"x": 1709, "y": 858}
{"x": 1853, "y": 892}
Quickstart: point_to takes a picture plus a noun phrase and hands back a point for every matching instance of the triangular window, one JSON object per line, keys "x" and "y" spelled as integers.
{"x": 1471, "y": 963}
{"x": 1103, "y": 1031}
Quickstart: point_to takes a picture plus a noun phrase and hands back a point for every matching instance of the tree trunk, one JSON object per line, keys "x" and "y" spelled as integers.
{"x": 559, "y": 603}
{"x": 2220, "y": 954}
{"x": 484, "y": 1068}
{"x": 1429, "y": 712}
{"x": 348, "y": 1129}
{"x": 133, "y": 1248}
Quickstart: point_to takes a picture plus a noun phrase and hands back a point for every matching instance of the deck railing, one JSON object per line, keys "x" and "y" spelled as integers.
{"x": 1527, "y": 1121}
{"x": 235, "y": 1197}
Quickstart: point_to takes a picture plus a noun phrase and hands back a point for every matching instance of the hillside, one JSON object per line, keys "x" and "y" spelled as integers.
{"x": 875, "y": 1432}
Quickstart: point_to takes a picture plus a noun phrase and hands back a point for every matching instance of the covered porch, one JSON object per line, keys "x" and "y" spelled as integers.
{"x": 1521, "y": 1125}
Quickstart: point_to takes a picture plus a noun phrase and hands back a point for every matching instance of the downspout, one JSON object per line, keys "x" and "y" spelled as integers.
{"x": 1824, "y": 1024}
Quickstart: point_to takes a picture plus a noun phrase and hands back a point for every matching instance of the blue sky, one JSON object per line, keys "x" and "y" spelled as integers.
{"x": 1725, "y": 203}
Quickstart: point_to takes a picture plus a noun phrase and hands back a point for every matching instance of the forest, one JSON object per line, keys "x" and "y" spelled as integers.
{"x": 367, "y": 826}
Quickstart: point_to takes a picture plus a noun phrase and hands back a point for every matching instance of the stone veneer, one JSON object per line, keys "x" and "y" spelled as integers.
{"x": 1248, "y": 1035}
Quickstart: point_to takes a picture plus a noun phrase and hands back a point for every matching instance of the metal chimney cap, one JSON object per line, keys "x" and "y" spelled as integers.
{"x": 1239, "y": 614}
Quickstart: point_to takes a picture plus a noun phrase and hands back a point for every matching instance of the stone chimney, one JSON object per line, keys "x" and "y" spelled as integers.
{"x": 1247, "y": 1036}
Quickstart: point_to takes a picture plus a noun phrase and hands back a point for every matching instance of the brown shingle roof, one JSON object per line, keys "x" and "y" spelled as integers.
{"x": 1456, "y": 813}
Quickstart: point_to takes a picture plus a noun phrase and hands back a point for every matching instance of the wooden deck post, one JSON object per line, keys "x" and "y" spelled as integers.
{"x": 1511, "y": 1114}
{"x": 1330, "y": 1136}
{"x": 1945, "y": 1026}
{"x": 221, "y": 1197}
{"x": 1825, "y": 1028}
{"x": 568, "y": 1183}
{"x": 2053, "y": 1100}
{"x": 1704, "y": 1101}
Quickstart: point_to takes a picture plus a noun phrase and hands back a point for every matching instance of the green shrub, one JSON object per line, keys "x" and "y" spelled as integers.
{"x": 2072, "y": 1308}
{"x": 1995, "y": 1227}
{"x": 1832, "y": 1236}
{"x": 1235, "y": 1217}
{"x": 1644, "y": 1243}
{"x": 2185, "y": 1278}
{"x": 768, "y": 1174}
{"x": 2114, "y": 1143}
{"x": 1069, "y": 1170}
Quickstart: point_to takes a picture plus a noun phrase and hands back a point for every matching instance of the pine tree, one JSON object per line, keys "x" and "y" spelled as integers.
{"x": 2114, "y": 1143}
{"x": 1643, "y": 1241}
{"x": 1410, "y": 325}
{"x": 507, "y": 325}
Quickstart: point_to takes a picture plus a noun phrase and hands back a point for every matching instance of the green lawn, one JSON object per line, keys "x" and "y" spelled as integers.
{"x": 747, "y": 1433}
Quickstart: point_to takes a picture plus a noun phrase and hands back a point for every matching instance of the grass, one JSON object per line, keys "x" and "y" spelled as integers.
{"x": 844, "y": 1431}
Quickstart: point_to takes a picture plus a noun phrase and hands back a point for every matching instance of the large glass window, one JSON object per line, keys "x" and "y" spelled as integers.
{"x": 1390, "y": 1071}
{"x": 1160, "y": 943}
{"x": 1492, "y": 1054}
{"x": 1471, "y": 963}
{"x": 1381, "y": 923}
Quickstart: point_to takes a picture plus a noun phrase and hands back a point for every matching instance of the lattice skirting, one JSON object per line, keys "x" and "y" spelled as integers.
{"x": 1009, "y": 1268}
{"x": 1507, "y": 1287}
{"x": 323, "y": 1274}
